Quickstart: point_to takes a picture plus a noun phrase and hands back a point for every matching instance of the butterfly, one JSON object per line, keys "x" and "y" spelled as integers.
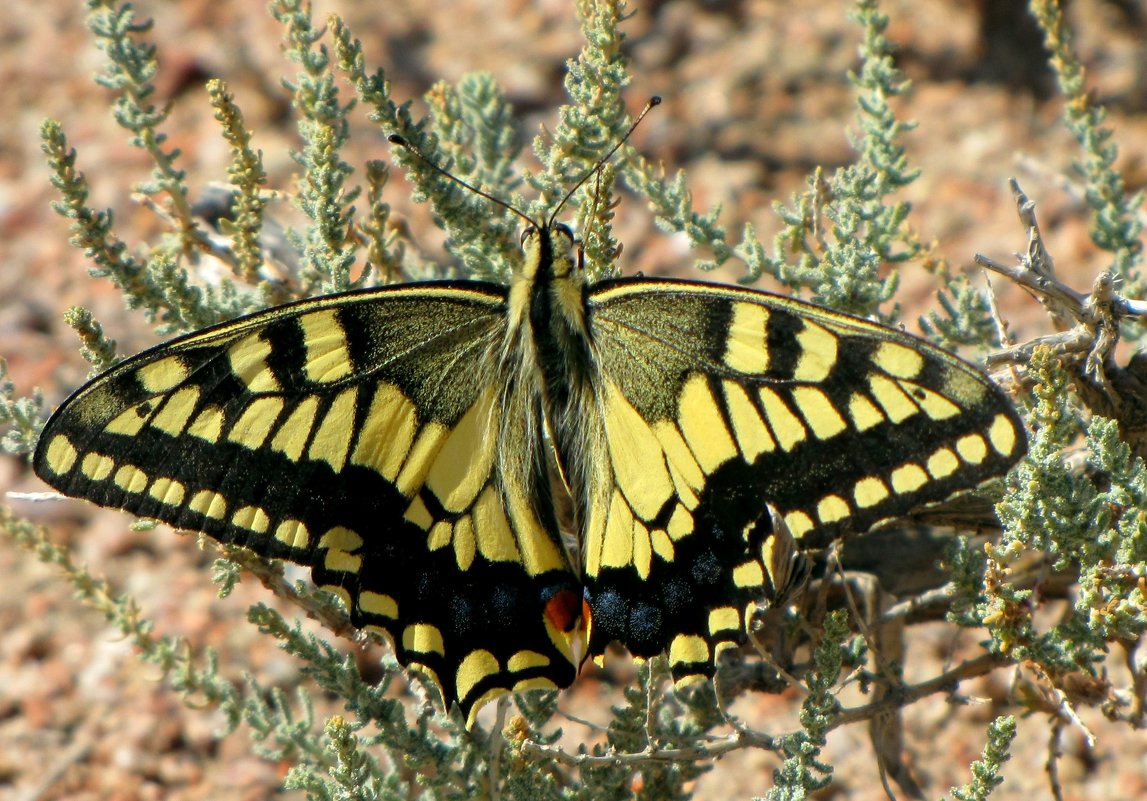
{"x": 430, "y": 450}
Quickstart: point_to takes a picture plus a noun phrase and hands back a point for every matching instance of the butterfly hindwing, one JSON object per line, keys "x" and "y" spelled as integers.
{"x": 359, "y": 435}
{"x": 719, "y": 400}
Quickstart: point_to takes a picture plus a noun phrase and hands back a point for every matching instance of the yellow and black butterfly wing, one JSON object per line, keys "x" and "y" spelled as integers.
{"x": 358, "y": 435}
{"x": 718, "y": 401}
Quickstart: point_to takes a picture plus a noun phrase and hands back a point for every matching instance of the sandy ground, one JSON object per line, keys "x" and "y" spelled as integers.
{"x": 755, "y": 95}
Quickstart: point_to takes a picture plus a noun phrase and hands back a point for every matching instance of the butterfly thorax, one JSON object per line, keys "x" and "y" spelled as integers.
{"x": 557, "y": 314}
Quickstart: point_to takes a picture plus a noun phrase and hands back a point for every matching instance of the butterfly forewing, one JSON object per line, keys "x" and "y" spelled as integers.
{"x": 358, "y": 435}
{"x": 720, "y": 399}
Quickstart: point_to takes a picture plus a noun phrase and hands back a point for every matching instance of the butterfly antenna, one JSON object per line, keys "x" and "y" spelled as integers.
{"x": 653, "y": 101}
{"x": 402, "y": 141}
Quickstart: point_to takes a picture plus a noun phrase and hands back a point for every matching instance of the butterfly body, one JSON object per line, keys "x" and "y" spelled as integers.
{"x": 403, "y": 443}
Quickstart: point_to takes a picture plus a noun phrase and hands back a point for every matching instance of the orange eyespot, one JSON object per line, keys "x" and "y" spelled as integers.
{"x": 563, "y": 610}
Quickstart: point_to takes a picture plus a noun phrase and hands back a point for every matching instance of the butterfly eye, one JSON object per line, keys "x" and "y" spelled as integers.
{"x": 564, "y": 230}
{"x": 527, "y": 234}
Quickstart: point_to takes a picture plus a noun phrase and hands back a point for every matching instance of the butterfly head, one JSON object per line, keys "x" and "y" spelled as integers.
{"x": 551, "y": 252}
